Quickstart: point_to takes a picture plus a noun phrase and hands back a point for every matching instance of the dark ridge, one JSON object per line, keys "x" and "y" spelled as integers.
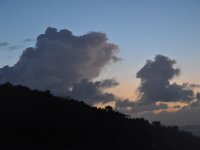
{"x": 35, "y": 120}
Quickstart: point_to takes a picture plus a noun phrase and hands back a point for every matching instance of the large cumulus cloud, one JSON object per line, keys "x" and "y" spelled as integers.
{"x": 59, "y": 60}
{"x": 156, "y": 89}
{"x": 155, "y": 84}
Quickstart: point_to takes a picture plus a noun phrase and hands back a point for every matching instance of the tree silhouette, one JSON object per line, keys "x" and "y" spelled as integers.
{"x": 108, "y": 108}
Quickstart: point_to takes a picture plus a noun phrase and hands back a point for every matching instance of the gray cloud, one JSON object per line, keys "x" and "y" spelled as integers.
{"x": 198, "y": 96}
{"x": 194, "y": 104}
{"x": 3, "y": 44}
{"x": 155, "y": 82}
{"x": 93, "y": 92}
{"x": 59, "y": 60}
{"x": 28, "y": 40}
{"x": 14, "y": 47}
{"x": 9, "y": 47}
{"x": 121, "y": 104}
{"x": 194, "y": 85}
{"x": 185, "y": 116}
{"x": 131, "y": 107}
{"x": 188, "y": 115}
{"x": 155, "y": 87}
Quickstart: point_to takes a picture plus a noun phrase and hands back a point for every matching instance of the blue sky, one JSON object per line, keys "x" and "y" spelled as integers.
{"x": 141, "y": 29}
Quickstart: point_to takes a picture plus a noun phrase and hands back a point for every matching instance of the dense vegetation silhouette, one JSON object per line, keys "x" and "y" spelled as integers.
{"x": 31, "y": 119}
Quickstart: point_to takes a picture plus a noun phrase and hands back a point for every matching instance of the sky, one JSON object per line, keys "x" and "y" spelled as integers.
{"x": 141, "y": 29}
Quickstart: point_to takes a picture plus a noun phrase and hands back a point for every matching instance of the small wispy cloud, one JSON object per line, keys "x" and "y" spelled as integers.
{"x": 14, "y": 47}
{"x": 3, "y": 44}
{"x": 10, "y": 47}
{"x": 194, "y": 85}
{"x": 28, "y": 40}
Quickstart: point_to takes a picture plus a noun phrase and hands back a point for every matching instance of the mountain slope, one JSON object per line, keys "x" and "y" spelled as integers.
{"x": 31, "y": 119}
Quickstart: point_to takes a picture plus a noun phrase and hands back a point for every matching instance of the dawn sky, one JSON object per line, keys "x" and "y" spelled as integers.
{"x": 140, "y": 28}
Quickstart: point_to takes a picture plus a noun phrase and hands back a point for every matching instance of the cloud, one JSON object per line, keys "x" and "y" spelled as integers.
{"x": 125, "y": 104}
{"x": 198, "y": 96}
{"x": 156, "y": 88}
{"x": 155, "y": 82}
{"x": 14, "y": 47}
{"x": 4, "y": 44}
{"x": 29, "y": 40}
{"x": 93, "y": 92}
{"x": 59, "y": 60}
{"x": 130, "y": 107}
{"x": 185, "y": 116}
{"x": 194, "y": 104}
{"x": 194, "y": 85}
{"x": 9, "y": 47}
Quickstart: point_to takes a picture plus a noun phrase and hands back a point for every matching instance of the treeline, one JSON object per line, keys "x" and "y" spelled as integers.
{"x": 36, "y": 120}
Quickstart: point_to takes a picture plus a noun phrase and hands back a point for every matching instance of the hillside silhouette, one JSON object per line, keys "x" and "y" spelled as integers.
{"x": 31, "y": 119}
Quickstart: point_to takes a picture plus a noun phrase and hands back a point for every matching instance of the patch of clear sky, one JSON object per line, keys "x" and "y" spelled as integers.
{"x": 141, "y": 28}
